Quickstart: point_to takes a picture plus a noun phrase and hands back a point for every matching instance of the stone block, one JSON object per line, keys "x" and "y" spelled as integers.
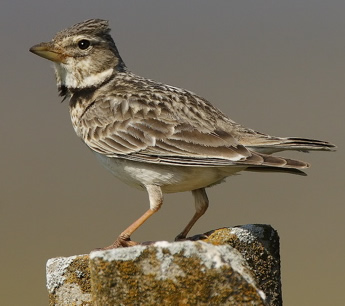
{"x": 178, "y": 273}
{"x": 230, "y": 266}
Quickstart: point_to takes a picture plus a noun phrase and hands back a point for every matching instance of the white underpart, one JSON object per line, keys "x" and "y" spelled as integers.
{"x": 73, "y": 78}
{"x": 170, "y": 178}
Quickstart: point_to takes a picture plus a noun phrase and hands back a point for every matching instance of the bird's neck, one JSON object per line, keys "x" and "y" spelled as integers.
{"x": 69, "y": 86}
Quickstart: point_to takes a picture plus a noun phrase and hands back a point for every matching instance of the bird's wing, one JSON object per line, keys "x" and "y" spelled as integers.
{"x": 156, "y": 129}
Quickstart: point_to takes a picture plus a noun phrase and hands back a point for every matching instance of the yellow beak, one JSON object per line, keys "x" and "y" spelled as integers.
{"x": 48, "y": 51}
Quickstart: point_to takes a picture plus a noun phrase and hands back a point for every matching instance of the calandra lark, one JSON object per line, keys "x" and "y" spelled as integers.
{"x": 153, "y": 136}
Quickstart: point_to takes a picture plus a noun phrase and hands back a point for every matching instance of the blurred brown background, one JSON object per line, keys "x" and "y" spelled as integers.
{"x": 278, "y": 67}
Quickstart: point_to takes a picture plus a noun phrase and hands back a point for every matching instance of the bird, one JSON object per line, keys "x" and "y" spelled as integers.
{"x": 153, "y": 136}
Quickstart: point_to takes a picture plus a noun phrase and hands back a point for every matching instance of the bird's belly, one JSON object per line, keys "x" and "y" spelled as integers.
{"x": 170, "y": 178}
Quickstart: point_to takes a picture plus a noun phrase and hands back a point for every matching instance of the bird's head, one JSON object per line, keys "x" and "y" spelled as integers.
{"x": 84, "y": 55}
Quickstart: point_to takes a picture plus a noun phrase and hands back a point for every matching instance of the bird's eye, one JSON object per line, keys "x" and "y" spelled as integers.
{"x": 83, "y": 44}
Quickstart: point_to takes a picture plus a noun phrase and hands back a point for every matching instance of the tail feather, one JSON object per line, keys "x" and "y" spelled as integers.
{"x": 305, "y": 144}
{"x": 270, "y": 163}
{"x": 276, "y": 170}
{"x": 284, "y": 162}
{"x": 271, "y": 145}
{"x": 265, "y": 160}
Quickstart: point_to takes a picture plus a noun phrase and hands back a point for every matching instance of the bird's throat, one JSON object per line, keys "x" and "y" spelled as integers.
{"x": 79, "y": 78}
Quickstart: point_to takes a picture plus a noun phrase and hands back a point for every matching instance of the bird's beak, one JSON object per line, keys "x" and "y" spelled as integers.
{"x": 48, "y": 51}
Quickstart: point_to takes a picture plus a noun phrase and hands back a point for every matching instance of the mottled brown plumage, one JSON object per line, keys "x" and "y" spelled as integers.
{"x": 151, "y": 135}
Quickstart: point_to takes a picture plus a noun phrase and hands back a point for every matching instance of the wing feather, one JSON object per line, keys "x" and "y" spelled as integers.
{"x": 178, "y": 128}
{"x": 116, "y": 127}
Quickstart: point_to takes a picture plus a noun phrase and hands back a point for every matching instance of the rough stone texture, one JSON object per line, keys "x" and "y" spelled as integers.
{"x": 259, "y": 246}
{"x": 68, "y": 281}
{"x": 230, "y": 269}
{"x": 179, "y": 273}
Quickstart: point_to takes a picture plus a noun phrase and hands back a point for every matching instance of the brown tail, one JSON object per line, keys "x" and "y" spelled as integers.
{"x": 275, "y": 144}
{"x": 259, "y": 162}
{"x": 266, "y": 160}
{"x": 305, "y": 144}
{"x": 276, "y": 169}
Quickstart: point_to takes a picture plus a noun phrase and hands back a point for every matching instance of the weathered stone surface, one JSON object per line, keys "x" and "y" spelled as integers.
{"x": 68, "y": 281}
{"x": 259, "y": 246}
{"x": 230, "y": 269}
{"x": 179, "y": 273}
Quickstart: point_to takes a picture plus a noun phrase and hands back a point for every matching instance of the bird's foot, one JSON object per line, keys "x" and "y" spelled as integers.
{"x": 120, "y": 242}
{"x": 192, "y": 238}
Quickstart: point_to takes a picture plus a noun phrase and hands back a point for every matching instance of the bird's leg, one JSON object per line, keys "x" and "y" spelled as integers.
{"x": 156, "y": 201}
{"x": 201, "y": 205}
